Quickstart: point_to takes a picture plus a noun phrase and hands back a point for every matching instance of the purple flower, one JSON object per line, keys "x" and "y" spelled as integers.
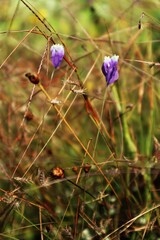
{"x": 57, "y": 54}
{"x": 109, "y": 69}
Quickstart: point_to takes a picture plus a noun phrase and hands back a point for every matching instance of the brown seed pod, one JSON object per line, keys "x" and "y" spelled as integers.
{"x": 32, "y": 78}
{"x": 57, "y": 173}
{"x": 28, "y": 116}
{"x": 87, "y": 167}
{"x": 75, "y": 169}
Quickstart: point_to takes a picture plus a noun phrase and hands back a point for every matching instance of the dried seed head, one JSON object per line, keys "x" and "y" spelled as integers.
{"x": 87, "y": 167}
{"x": 79, "y": 91}
{"x": 41, "y": 176}
{"x": 75, "y": 169}
{"x": 56, "y": 101}
{"x": 32, "y": 78}
{"x": 66, "y": 233}
{"x": 28, "y": 116}
{"x": 58, "y": 173}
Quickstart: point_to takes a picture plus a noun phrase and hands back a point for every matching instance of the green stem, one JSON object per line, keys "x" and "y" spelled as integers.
{"x": 129, "y": 145}
{"x": 99, "y": 127}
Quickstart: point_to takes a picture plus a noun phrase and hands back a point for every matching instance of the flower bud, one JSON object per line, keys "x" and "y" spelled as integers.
{"x": 109, "y": 69}
{"x": 57, "y": 54}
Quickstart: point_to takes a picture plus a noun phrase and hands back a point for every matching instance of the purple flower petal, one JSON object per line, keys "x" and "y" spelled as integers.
{"x": 57, "y": 54}
{"x": 109, "y": 69}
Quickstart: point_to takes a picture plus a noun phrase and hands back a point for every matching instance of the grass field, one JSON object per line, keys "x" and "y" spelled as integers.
{"x": 79, "y": 159}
